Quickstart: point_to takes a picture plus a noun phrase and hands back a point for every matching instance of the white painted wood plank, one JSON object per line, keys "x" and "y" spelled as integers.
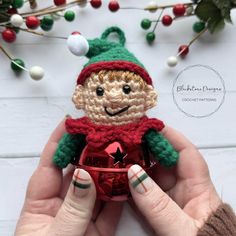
{"x": 30, "y": 110}
{"x": 26, "y": 123}
{"x": 15, "y": 174}
{"x": 7, "y": 227}
{"x": 222, "y": 165}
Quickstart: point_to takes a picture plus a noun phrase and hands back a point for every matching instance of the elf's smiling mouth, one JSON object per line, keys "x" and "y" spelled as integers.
{"x": 118, "y": 112}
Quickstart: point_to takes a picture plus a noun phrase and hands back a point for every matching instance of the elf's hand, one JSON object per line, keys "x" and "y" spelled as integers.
{"x": 56, "y": 206}
{"x": 184, "y": 197}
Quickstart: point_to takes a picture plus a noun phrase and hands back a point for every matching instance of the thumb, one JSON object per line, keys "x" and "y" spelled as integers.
{"x": 76, "y": 211}
{"x": 162, "y": 213}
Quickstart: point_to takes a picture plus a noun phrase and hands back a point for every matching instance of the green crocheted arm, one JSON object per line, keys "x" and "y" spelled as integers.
{"x": 69, "y": 147}
{"x": 161, "y": 149}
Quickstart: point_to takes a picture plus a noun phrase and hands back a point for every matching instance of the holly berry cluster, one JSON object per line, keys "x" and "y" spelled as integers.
{"x": 43, "y": 19}
{"x": 178, "y": 11}
{"x": 32, "y": 22}
{"x": 14, "y": 23}
{"x": 212, "y": 14}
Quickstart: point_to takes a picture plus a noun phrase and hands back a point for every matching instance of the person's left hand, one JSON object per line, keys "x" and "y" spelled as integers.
{"x": 56, "y": 206}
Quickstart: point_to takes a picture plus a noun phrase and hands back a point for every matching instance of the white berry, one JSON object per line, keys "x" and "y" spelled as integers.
{"x": 16, "y": 20}
{"x": 189, "y": 10}
{"x": 36, "y": 72}
{"x": 172, "y": 61}
{"x": 152, "y": 6}
{"x": 77, "y": 44}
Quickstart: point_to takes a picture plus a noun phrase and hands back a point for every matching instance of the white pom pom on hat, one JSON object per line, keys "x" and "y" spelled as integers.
{"x": 77, "y": 44}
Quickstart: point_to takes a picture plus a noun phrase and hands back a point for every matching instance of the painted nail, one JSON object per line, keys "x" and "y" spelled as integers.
{"x": 139, "y": 179}
{"x": 81, "y": 183}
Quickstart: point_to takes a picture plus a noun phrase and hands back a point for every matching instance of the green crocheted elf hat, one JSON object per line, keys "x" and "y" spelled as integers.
{"x": 107, "y": 55}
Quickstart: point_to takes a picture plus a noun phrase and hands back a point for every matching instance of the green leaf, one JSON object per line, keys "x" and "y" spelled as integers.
{"x": 216, "y": 26}
{"x": 6, "y": 1}
{"x": 4, "y": 18}
{"x": 208, "y": 12}
{"x": 4, "y": 6}
{"x": 225, "y": 8}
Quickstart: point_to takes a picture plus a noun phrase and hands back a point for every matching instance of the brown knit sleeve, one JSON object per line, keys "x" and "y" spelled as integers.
{"x": 220, "y": 223}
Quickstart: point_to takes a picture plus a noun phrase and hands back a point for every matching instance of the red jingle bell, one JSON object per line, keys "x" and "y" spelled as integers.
{"x": 109, "y": 166}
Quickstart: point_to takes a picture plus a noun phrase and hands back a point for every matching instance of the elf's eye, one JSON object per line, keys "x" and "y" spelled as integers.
{"x": 126, "y": 89}
{"x": 100, "y": 91}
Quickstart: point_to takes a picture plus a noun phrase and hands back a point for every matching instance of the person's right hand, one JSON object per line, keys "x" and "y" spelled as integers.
{"x": 185, "y": 197}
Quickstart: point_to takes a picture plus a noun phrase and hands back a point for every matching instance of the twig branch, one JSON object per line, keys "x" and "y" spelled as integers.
{"x": 167, "y": 6}
{"x": 52, "y": 9}
{"x": 6, "y": 52}
{"x": 41, "y": 34}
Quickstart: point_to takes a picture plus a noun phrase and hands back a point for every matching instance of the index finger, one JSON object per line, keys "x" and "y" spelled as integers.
{"x": 191, "y": 163}
{"x": 177, "y": 139}
{"x": 51, "y": 146}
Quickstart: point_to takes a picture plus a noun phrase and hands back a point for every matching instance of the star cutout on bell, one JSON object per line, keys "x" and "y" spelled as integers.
{"x": 118, "y": 156}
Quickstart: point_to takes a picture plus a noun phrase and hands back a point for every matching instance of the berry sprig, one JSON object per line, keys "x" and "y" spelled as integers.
{"x": 150, "y": 37}
{"x": 18, "y": 65}
{"x": 43, "y": 18}
{"x": 179, "y": 11}
{"x": 212, "y": 16}
{"x": 183, "y": 50}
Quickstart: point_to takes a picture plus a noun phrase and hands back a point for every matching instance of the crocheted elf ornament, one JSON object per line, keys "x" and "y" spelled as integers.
{"x": 115, "y": 91}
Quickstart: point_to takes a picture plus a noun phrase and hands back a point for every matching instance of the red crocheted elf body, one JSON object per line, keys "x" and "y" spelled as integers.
{"x": 115, "y": 91}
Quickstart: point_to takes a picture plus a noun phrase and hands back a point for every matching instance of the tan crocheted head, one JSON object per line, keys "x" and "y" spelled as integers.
{"x": 113, "y": 88}
{"x": 114, "y": 97}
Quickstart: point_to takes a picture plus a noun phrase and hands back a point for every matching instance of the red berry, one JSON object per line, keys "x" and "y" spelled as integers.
{"x": 9, "y": 35}
{"x": 166, "y": 20}
{"x": 96, "y": 3}
{"x": 32, "y": 22}
{"x": 59, "y": 2}
{"x": 12, "y": 11}
{"x": 113, "y": 5}
{"x": 75, "y": 33}
{"x": 184, "y": 49}
{"x": 179, "y": 9}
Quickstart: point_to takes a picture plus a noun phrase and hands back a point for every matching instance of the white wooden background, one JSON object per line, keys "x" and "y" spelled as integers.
{"x": 30, "y": 110}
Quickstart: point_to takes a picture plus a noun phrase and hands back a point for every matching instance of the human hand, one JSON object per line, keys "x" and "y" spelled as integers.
{"x": 56, "y": 206}
{"x": 185, "y": 195}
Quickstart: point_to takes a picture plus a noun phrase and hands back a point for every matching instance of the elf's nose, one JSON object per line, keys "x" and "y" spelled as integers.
{"x": 114, "y": 96}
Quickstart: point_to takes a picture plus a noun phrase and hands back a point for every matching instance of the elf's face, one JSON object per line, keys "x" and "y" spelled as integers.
{"x": 114, "y": 97}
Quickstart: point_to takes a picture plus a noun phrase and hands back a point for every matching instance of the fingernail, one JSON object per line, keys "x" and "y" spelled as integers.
{"x": 81, "y": 183}
{"x": 139, "y": 179}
